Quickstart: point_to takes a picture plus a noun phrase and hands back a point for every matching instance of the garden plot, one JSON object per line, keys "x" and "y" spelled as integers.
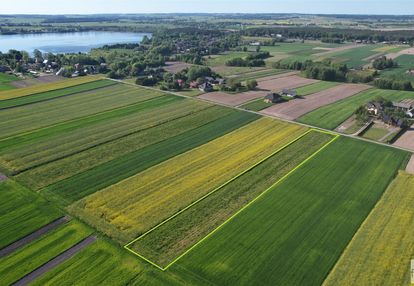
{"x": 293, "y": 109}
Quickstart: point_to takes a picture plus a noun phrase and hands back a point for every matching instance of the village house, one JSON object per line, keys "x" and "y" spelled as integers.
{"x": 273, "y": 98}
{"x": 206, "y": 87}
{"x": 374, "y": 108}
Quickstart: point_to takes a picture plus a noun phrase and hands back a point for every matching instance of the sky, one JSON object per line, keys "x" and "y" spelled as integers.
{"x": 208, "y": 6}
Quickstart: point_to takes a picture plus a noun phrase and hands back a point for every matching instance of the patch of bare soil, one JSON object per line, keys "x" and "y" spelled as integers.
{"x": 407, "y": 139}
{"x": 294, "y": 109}
{"x": 233, "y": 99}
{"x": 280, "y": 83}
{"x": 175, "y": 67}
{"x": 409, "y": 51}
{"x": 410, "y": 167}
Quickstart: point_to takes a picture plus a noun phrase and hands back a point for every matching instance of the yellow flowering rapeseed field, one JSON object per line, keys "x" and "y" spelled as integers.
{"x": 144, "y": 200}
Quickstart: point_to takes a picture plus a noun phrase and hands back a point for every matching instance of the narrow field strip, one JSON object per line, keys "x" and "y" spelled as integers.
{"x": 33, "y": 236}
{"x": 168, "y": 241}
{"x": 31, "y": 117}
{"x": 9, "y": 94}
{"x": 55, "y": 261}
{"x": 295, "y": 232}
{"x": 135, "y": 205}
{"x": 316, "y": 87}
{"x": 28, "y": 258}
{"x": 22, "y": 212}
{"x": 381, "y": 250}
{"x": 67, "y": 167}
{"x": 111, "y": 172}
{"x": 54, "y": 147}
{"x": 49, "y": 95}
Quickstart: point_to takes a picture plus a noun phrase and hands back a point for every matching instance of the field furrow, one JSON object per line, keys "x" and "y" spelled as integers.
{"x": 170, "y": 240}
{"x": 138, "y": 203}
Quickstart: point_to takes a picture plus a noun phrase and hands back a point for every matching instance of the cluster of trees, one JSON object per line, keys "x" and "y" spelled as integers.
{"x": 339, "y": 34}
{"x": 387, "y": 83}
{"x": 234, "y": 85}
{"x": 252, "y": 60}
{"x": 383, "y": 63}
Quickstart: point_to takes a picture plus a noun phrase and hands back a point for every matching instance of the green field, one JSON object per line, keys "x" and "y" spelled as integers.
{"x": 258, "y": 74}
{"x": 314, "y": 88}
{"x": 355, "y": 57}
{"x": 170, "y": 240}
{"x": 95, "y": 132}
{"x": 35, "y": 254}
{"x": 332, "y": 115}
{"x": 5, "y": 80}
{"x": 22, "y": 212}
{"x": 375, "y": 132}
{"x": 111, "y": 172}
{"x": 405, "y": 63}
{"x": 43, "y": 114}
{"x": 28, "y": 99}
{"x": 151, "y": 196}
{"x": 381, "y": 250}
{"x": 256, "y": 105}
{"x": 296, "y": 232}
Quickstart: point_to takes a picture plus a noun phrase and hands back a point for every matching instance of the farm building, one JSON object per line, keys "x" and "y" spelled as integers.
{"x": 273, "y": 98}
{"x": 289, "y": 92}
{"x": 206, "y": 87}
{"x": 407, "y": 105}
{"x": 374, "y": 108}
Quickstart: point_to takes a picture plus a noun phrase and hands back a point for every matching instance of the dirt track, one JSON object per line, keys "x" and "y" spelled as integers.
{"x": 55, "y": 261}
{"x": 233, "y": 99}
{"x": 293, "y": 109}
{"x": 277, "y": 84}
{"x": 407, "y": 139}
{"x": 33, "y": 236}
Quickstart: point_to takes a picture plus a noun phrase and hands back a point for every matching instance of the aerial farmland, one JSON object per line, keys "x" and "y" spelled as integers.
{"x": 275, "y": 156}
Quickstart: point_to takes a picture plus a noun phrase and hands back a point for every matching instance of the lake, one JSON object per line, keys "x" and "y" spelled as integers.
{"x": 66, "y": 42}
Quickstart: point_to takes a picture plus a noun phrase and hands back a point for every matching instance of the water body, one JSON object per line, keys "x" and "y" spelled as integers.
{"x": 67, "y": 42}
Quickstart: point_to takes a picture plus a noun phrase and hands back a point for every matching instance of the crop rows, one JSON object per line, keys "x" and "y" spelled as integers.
{"x": 48, "y": 95}
{"x": 9, "y": 94}
{"x": 171, "y": 239}
{"x": 140, "y": 202}
{"x": 294, "y": 234}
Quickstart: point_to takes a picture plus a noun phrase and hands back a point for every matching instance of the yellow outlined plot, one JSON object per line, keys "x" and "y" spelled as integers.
{"x": 335, "y": 136}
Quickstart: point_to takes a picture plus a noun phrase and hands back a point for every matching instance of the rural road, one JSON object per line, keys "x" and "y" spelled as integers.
{"x": 33, "y": 236}
{"x": 55, "y": 261}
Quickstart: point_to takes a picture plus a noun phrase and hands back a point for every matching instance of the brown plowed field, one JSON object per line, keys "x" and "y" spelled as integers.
{"x": 233, "y": 99}
{"x": 407, "y": 139}
{"x": 295, "y": 108}
{"x": 277, "y": 84}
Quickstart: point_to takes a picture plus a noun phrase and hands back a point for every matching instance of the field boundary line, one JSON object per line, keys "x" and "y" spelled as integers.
{"x": 223, "y": 185}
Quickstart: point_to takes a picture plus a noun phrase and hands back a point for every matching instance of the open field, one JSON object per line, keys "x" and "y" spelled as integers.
{"x": 256, "y": 105}
{"x": 45, "y": 87}
{"x": 176, "y": 67}
{"x": 170, "y": 240}
{"x": 67, "y": 167}
{"x": 316, "y": 87}
{"x": 410, "y": 166}
{"x": 22, "y": 212}
{"x": 130, "y": 120}
{"x": 280, "y": 83}
{"x": 26, "y": 259}
{"x": 39, "y": 115}
{"x": 333, "y": 115}
{"x": 381, "y": 250}
{"x": 296, "y": 108}
{"x": 33, "y": 98}
{"x": 233, "y": 99}
{"x": 294, "y": 234}
{"x": 405, "y": 63}
{"x": 153, "y": 195}
{"x": 111, "y": 172}
{"x": 257, "y": 75}
{"x": 6, "y": 81}
{"x": 407, "y": 139}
